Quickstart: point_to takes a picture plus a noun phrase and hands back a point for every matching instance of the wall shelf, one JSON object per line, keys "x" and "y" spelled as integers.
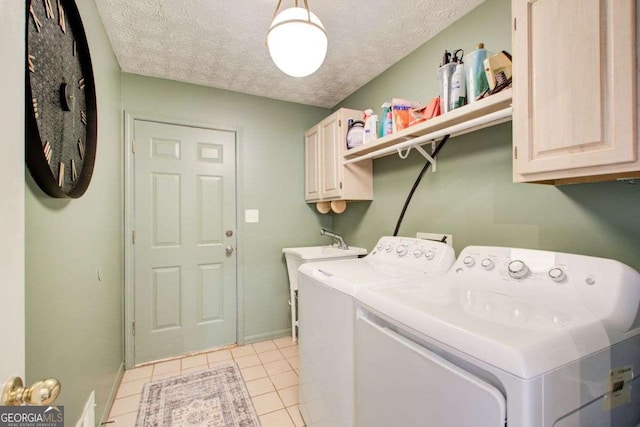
{"x": 484, "y": 113}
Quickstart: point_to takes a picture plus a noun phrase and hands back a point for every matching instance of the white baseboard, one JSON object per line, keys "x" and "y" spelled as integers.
{"x": 112, "y": 395}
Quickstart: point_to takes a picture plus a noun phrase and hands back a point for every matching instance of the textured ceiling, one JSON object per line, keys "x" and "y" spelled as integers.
{"x": 221, "y": 43}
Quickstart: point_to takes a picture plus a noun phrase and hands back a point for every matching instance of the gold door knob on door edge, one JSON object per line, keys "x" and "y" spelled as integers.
{"x": 40, "y": 393}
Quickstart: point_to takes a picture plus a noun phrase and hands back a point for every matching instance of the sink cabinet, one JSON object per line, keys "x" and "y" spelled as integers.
{"x": 326, "y": 178}
{"x": 574, "y": 98}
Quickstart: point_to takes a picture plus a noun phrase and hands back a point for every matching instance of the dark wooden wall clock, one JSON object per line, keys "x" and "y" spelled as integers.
{"x": 61, "y": 119}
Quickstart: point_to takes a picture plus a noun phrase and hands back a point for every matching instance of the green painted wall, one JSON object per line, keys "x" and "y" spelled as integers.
{"x": 472, "y": 195}
{"x": 270, "y": 178}
{"x": 73, "y": 321}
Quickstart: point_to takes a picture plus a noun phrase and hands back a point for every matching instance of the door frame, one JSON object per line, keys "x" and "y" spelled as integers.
{"x": 129, "y": 220}
{"x": 12, "y": 206}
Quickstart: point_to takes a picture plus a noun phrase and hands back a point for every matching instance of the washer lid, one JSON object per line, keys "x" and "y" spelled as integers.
{"x": 528, "y": 325}
{"x": 349, "y": 274}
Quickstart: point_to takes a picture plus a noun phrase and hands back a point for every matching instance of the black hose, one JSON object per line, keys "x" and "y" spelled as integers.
{"x": 415, "y": 184}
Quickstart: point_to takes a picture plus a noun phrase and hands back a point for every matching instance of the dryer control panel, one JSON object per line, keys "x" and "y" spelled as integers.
{"x": 425, "y": 255}
{"x": 606, "y": 288}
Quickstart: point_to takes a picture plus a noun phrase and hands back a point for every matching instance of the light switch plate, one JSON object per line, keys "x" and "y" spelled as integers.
{"x": 251, "y": 216}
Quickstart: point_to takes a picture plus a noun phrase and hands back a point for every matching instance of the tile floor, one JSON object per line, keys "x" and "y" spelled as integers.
{"x": 269, "y": 369}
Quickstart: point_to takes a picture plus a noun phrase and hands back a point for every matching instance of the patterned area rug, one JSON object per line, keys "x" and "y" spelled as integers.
{"x": 211, "y": 398}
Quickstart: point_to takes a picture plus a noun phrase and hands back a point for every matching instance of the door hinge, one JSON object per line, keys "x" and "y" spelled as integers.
{"x": 515, "y": 25}
{"x": 339, "y": 123}
{"x": 133, "y": 146}
{"x": 133, "y": 237}
{"x": 133, "y": 327}
{"x": 515, "y": 153}
{"x": 341, "y": 185}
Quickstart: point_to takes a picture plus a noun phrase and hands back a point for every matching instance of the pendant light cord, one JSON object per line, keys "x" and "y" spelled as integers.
{"x": 306, "y": 6}
{"x": 417, "y": 182}
{"x": 276, "y": 12}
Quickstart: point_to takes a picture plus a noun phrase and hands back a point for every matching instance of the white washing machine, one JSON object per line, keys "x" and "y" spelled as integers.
{"x": 327, "y": 317}
{"x": 508, "y": 337}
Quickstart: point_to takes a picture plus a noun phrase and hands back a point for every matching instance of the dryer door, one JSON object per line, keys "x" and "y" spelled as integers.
{"x": 400, "y": 383}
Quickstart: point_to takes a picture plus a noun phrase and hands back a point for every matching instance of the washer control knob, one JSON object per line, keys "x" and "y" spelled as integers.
{"x": 418, "y": 252}
{"x": 556, "y": 274}
{"x": 401, "y": 250}
{"x": 388, "y": 247}
{"x": 380, "y": 246}
{"x": 430, "y": 254}
{"x": 487, "y": 263}
{"x": 469, "y": 261}
{"x": 518, "y": 269}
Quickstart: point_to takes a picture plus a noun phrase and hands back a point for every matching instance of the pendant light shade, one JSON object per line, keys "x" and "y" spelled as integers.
{"x": 297, "y": 41}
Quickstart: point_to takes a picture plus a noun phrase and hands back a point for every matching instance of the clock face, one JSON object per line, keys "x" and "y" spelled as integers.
{"x": 60, "y": 99}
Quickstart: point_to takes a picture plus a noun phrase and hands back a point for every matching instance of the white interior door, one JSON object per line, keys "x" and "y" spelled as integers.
{"x": 185, "y": 224}
{"x": 12, "y": 201}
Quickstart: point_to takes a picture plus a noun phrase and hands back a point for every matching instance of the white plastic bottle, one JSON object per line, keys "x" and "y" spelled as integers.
{"x": 458, "y": 87}
{"x": 370, "y": 126}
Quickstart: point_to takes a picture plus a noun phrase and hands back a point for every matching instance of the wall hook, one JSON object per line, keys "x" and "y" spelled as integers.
{"x": 406, "y": 153}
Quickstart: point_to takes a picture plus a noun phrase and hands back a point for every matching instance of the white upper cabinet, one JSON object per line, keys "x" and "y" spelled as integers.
{"x": 326, "y": 177}
{"x": 574, "y": 98}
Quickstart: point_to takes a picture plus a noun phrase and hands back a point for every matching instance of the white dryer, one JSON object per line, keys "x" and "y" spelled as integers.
{"x": 509, "y": 337}
{"x": 327, "y": 317}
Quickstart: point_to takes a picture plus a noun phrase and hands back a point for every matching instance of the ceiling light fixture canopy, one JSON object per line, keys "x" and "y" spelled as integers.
{"x": 297, "y": 40}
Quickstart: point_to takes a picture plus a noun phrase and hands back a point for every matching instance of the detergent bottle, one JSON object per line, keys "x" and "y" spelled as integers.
{"x": 476, "y": 77}
{"x": 386, "y": 125}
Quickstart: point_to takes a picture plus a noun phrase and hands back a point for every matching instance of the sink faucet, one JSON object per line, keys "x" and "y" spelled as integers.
{"x": 338, "y": 238}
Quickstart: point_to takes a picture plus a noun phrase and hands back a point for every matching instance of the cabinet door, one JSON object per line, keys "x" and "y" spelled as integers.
{"x": 330, "y": 156}
{"x": 311, "y": 160}
{"x": 574, "y": 87}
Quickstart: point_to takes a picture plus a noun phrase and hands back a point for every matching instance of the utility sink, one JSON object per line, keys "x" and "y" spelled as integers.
{"x": 297, "y": 256}
{"x": 325, "y": 253}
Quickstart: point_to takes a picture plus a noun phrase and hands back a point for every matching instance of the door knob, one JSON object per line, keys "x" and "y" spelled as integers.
{"x": 229, "y": 249}
{"x": 39, "y": 394}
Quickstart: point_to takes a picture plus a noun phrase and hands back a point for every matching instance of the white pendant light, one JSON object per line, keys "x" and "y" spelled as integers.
{"x": 297, "y": 41}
